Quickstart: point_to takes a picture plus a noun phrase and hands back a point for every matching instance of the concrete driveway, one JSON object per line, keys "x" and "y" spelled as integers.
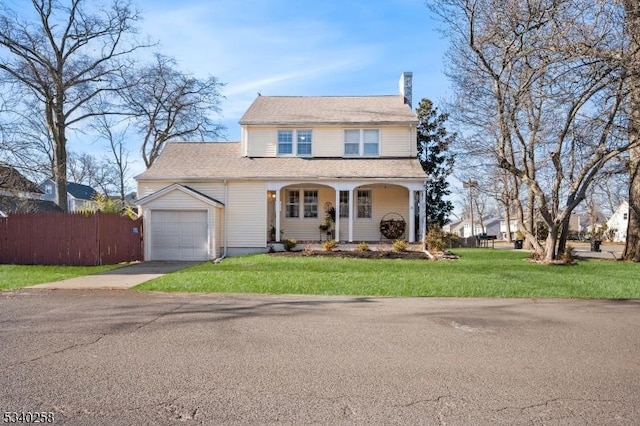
{"x": 120, "y": 278}
{"x": 122, "y": 358}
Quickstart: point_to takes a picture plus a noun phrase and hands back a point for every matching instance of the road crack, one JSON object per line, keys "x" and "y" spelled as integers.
{"x": 158, "y": 317}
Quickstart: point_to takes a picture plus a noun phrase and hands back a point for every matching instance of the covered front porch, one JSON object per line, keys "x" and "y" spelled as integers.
{"x": 300, "y": 210}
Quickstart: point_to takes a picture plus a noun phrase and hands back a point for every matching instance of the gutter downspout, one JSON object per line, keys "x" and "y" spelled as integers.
{"x": 224, "y": 248}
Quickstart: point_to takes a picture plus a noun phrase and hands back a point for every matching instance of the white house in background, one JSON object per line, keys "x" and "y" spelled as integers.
{"x": 618, "y": 223}
{"x": 488, "y": 225}
{"x": 513, "y": 228}
{"x": 78, "y": 195}
{"x": 298, "y": 157}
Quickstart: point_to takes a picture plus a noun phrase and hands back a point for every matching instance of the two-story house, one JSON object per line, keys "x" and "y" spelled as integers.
{"x": 19, "y": 195}
{"x": 78, "y": 195}
{"x": 298, "y": 158}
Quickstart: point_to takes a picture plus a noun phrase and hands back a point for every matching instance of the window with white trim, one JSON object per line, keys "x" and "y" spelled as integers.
{"x": 292, "y": 206}
{"x": 285, "y": 142}
{"x": 363, "y": 203}
{"x": 361, "y": 142}
{"x": 304, "y": 142}
{"x": 295, "y": 142}
{"x": 344, "y": 203}
{"x": 310, "y": 204}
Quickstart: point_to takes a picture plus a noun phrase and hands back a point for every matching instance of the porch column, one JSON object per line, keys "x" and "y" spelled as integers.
{"x": 278, "y": 207}
{"x": 337, "y": 221}
{"x": 412, "y": 216}
{"x": 423, "y": 214}
{"x": 351, "y": 215}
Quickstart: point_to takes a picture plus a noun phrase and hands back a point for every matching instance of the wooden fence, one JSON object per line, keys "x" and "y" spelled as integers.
{"x": 69, "y": 239}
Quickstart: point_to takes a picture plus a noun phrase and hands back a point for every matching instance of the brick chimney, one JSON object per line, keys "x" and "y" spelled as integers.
{"x": 406, "y": 87}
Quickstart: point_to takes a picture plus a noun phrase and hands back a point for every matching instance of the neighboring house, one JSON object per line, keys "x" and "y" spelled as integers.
{"x": 78, "y": 195}
{"x": 513, "y": 229}
{"x": 19, "y": 195}
{"x": 489, "y": 225}
{"x": 618, "y": 223}
{"x": 298, "y": 157}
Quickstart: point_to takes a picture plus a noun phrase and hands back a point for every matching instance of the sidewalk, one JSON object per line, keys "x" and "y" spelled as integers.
{"x": 118, "y": 279}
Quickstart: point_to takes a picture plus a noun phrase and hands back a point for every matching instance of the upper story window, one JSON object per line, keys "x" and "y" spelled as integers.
{"x": 295, "y": 142}
{"x": 48, "y": 189}
{"x": 361, "y": 142}
{"x": 285, "y": 142}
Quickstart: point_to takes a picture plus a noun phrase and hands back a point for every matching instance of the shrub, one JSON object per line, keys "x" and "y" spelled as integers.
{"x": 329, "y": 245}
{"x": 399, "y": 245}
{"x": 308, "y": 250}
{"x": 362, "y": 247}
{"x": 435, "y": 240}
{"x": 289, "y": 244}
{"x": 568, "y": 257}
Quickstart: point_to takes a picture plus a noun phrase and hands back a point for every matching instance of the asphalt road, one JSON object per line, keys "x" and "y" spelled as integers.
{"x": 128, "y": 358}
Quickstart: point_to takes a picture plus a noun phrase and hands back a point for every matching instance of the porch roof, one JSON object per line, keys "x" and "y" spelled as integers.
{"x": 203, "y": 161}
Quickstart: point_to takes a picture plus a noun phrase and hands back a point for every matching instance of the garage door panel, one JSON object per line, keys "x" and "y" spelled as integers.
{"x": 179, "y": 235}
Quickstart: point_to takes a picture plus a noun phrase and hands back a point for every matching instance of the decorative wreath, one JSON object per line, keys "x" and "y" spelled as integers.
{"x": 392, "y": 226}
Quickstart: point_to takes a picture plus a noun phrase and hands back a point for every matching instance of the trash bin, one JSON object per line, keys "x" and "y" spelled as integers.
{"x": 595, "y": 245}
{"x": 517, "y": 244}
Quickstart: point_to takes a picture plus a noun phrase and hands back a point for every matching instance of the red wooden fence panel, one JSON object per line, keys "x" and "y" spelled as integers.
{"x": 69, "y": 239}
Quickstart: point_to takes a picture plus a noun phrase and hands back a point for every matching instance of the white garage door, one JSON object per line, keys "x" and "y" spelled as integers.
{"x": 179, "y": 235}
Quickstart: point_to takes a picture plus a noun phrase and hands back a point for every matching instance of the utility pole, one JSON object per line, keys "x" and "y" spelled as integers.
{"x": 471, "y": 184}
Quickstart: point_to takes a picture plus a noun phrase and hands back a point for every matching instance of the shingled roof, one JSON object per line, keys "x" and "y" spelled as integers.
{"x": 12, "y": 180}
{"x": 200, "y": 161}
{"x": 307, "y": 110}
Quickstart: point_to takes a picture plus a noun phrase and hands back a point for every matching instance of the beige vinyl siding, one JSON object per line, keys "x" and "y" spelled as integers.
{"x": 328, "y": 141}
{"x": 214, "y": 190}
{"x": 302, "y": 228}
{"x": 397, "y": 141}
{"x": 392, "y": 199}
{"x": 262, "y": 141}
{"x": 247, "y": 214}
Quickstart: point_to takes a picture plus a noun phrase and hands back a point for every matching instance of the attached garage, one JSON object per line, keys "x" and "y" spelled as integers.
{"x": 181, "y": 224}
{"x": 179, "y": 235}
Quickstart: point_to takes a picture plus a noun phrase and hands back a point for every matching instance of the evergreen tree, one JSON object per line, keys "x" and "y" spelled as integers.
{"x": 436, "y": 160}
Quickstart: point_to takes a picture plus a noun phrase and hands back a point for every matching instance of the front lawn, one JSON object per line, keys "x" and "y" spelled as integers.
{"x": 17, "y": 276}
{"x": 478, "y": 273}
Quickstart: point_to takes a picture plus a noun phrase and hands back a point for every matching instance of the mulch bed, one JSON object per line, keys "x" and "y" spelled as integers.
{"x": 412, "y": 255}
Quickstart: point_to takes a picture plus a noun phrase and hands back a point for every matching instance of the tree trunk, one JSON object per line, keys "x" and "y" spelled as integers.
{"x": 632, "y": 246}
{"x": 550, "y": 245}
{"x": 530, "y": 219}
{"x": 507, "y": 218}
{"x": 564, "y": 235}
{"x": 60, "y": 142}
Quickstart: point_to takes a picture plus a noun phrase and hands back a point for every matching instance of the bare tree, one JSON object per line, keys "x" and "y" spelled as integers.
{"x": 167, "y": 104}
{"x": 632, "y": 65}
{"x": 69, "y": 54}
{"x": 119, "y": 158}
{"x": 554, "y": 114}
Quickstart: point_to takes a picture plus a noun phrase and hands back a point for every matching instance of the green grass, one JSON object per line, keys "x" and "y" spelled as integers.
{"x": 478, "y": 273}
{"x": 18, "y": 276}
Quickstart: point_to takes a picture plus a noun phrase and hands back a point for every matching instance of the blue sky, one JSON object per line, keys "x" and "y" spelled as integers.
{"x": 303, "y": 47}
